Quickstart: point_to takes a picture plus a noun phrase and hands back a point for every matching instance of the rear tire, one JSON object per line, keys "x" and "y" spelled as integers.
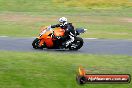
{"x": 78, "y": 43}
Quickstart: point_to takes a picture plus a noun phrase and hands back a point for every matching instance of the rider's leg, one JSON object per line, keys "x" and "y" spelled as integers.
{"x": 72, "y": 38}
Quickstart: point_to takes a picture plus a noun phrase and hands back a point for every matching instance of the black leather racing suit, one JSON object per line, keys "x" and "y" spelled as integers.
{"x": 69, "y": 32}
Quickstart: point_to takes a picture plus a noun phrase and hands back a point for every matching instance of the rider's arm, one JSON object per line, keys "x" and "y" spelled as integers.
{"x": 54, "y": 26}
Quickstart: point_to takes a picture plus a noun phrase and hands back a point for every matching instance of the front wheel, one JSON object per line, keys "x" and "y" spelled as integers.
{"x": 77, "y": 44}
{"x": 35, "y": 43}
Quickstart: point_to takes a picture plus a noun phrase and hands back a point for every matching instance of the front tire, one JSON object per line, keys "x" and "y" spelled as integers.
{"x": 35, "y": 43}
{"x": 77, "y": 44}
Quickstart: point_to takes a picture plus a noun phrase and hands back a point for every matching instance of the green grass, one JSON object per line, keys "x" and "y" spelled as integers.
{"x": 99, "y": 25}
{"x": 104, "y": 19}
{"x": 23, "y": 18}
{"x": 58, "y": 70}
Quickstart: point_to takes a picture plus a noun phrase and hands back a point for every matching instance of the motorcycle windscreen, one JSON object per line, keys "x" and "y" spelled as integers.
{"x": 59, "y": 32}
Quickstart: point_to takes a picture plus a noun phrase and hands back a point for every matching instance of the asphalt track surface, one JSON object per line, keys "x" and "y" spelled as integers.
{"x": 91, "y": 46}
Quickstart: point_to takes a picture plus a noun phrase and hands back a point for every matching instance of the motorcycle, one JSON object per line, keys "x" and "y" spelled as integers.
{"x": 49, "y": 38}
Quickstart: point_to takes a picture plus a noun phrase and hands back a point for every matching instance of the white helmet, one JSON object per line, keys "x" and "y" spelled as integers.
{"x": 63, "y": 20}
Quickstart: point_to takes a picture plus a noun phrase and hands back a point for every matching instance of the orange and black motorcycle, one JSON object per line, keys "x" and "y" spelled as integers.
{"x": 48, "y": 39}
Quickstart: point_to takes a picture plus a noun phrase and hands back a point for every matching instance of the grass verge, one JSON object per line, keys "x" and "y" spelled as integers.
{"x": 58, "y": 70}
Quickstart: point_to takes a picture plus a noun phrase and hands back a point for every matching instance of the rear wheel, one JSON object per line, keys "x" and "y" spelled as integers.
{"x": 35, "y": 43}
{"x": 77, "y": 44}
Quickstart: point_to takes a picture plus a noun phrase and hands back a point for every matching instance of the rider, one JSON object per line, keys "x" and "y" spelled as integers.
{"x": 69, "y": 30}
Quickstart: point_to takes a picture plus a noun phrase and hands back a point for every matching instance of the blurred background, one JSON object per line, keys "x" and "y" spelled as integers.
{"x": 104, "y": 18}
